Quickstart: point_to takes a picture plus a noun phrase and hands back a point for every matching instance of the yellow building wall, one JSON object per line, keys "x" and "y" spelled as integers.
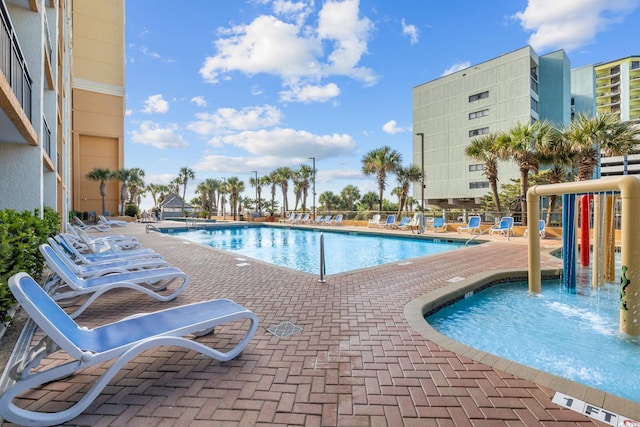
{"x": 98, "y": 100}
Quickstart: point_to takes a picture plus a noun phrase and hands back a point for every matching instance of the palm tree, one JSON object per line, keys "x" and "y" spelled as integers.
{"x": 350, "y": 195}
{"x": 589, "y": 136}
{"x": 257, "y": 184}
{"x": 271, "y": 180}
{"x": 484, "y": 149}
{"x": 155, "y": 190}
{"x": 304, "y": 173}
{"x": 555, "y": 153}
{"x": 369, "y": 199}
{"x": 123, "y": 175}
{"x": 521, "y": 144}
{"x": 234, "y": 187}
{"x": 406, "y": 175}
{"x": 283, "y": 175}
{"x": 203, "y": 190}
{"x": 102, "y": 175}
{"x": 184, "y": 176}
{"x": 379, "y": 162}
{"x": 135, "y": 182}
{"x": 329, "y": 200}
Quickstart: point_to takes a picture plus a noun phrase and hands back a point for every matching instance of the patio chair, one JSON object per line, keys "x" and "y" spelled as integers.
{"x": 98, "y": 227}
{"x": 472, "y": 227}
{"x": 104, "y": 220}
{"x": 296, "y": 218}
{"x": 404, "y": 222}
{"x": 69, "y": 286}
{"x": 374, "y": 221}
{"x": 504, "y": 227}
{"x": 390, "y": 222}
{"x": 97, "y": 268}
{"x": 305, "y": 219}
{"x": 415, "y": 222}
{"x": 119, "y": 342}
{"x": 336, "y": 221}
{"x": 102, "y": 243}
{"x": 75, "y": 249}
{"x": 541, "y": 229}
{"x": 439, "y": 224}
{"x": 289, "y": 218}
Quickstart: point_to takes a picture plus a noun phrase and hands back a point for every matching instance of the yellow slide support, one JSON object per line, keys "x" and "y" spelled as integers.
{"x": 629, "y": 188}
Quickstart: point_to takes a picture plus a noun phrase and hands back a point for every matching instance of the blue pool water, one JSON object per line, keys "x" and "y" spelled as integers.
{"x": 569, "y": 334}
{"x": 300, "y": 249}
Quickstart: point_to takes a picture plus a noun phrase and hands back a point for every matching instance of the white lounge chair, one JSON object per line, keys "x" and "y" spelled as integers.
{"x": 149, "y": 281}
{"x": 374, "y": 221}
{"x": 98, "y": 227}
{"x": 120, "y": 342}
{"x": 439, "y": 224}
{"x": 71, "y": 246}
{"x": 103, "y": 267}
{"x": 106, "y": 243}
{"x": 473, "y": 226}
{"x": 504, "y": 227}
{"x": 107, "y": 221}
{"x": 336, "y": 221}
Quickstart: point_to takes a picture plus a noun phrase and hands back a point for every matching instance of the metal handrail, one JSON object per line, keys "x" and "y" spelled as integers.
{"x": 323, "y": 269}
{"x": 477, "y": 235}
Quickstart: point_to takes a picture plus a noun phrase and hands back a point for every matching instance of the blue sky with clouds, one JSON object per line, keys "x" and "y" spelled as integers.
{"x": 229, "y": 87}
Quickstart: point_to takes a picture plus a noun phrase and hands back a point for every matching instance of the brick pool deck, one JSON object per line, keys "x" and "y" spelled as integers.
{"x": 357, "y": 361}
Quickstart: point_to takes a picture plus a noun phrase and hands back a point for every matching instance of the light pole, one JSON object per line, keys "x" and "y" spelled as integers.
{"x": 313, "y": 189}
{"x": 421, "y": 134}
{"x": 257, "y": 202}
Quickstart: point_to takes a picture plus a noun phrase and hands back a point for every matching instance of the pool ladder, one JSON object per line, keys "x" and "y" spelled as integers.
{"x": 323, "y": 269}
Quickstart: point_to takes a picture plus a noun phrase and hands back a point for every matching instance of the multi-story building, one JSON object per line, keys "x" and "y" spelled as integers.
{"x": 61, "y": 101}
{"x": 617, "y": 91}
{"x": 493, "y": 96}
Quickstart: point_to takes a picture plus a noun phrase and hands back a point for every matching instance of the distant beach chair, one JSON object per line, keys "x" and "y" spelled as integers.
{"x": 473, "y": 226}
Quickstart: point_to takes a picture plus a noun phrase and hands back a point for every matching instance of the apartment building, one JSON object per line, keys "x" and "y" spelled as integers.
{"x": 449, "y": 112}
{"x": 62, "y": 102}
{"x": 617, "y": 91}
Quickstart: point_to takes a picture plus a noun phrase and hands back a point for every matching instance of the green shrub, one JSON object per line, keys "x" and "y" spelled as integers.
{"x": 132, "y": 210}
{"x": 20, "y": 235}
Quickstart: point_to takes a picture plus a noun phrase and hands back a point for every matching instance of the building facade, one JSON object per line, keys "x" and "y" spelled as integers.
{"x": 61, "y": 84}
{"x": 449, "y": 112}
{"x": 617, "y": 91}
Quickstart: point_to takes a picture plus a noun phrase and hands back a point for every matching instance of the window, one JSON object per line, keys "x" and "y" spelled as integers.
{"x": 476, "y": 167}
{"x": 478, "y": 96}
{"x": 534, "y": 86}
{"x": 477, "y": 114}
{"x": 534, "y": 105}
{"x": 476, "y": 132}
{"x": 635, "y": 65}
{"x": 476, "y": 185}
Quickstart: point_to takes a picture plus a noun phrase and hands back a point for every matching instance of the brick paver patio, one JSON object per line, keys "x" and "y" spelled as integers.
{"x": 357, "y": 361}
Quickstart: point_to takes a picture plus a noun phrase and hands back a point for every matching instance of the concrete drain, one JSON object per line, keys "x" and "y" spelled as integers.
{"x": 284, "y": 329}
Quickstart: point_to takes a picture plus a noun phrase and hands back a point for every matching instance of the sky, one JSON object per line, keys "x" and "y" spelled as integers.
{"x": 231, "y": 87}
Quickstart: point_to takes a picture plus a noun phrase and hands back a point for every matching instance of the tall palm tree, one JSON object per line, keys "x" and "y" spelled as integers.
{"x": 123, "y": 175}
{"x": 522, "y": 144}
{"x": 135, "y": 182}
{"x": 405, "y": 176}
{"x": 154, "y": 190}
{"x": 304, "y": 173}
{"x": 350, "y": 195}
{"x": 257, "y": 184}
{"x": 203, "y": 190}
{"x": 485, "y": 149}
{"x": 555, "y": 154}
{"x": 101, "y": 175}
{"x": 298, "y": 188}
{"x": 380, "y": 162}
{"x": 184, "y": 176}
{"x": 283, "y": 175}
{"x": 235, "y": 187}
{"x": 271, "y": 180}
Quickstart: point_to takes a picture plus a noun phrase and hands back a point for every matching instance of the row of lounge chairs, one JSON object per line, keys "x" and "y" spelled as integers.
{"x": 505, "y": 227}
{"x": 299, "y": 218}
{"x": 86, "y": 266}
{"x": 406, "y": 223}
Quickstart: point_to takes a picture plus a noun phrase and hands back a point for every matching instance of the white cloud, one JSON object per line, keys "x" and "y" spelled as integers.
{"x": 456, "y": 67}
{"x": 225, "y": 120}
{"x": 391, "y": 127}
{"x": 295, "y": 145}
{"x": 155, "y": 55}
{"x": 155, "y": 104}
{"x": 310, "y": 93}
{"x": 411, "y": 31}
{"x": 199, "y": 101}
{"x": 570, "y": 24}
{"x": 285, "y": 47}
{"x": 151, "y": 133}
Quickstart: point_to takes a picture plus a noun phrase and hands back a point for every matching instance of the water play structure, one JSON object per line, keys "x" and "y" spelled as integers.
{"x": 626, "y": 189}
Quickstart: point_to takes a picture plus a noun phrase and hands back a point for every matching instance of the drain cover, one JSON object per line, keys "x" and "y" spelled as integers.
{"x": 284, "y": 329}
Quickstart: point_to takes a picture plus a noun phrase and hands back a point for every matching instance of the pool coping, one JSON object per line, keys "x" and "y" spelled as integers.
{"x": 416, "y": 310}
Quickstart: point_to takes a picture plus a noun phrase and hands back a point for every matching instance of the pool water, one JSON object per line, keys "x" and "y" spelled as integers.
{"x": 571, "y": 334}
{"x": 300, "y": 249}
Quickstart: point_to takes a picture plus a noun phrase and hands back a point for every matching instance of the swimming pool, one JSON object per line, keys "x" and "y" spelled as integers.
{"x": 299, "y": 249}
{"x": 571, "y": 334}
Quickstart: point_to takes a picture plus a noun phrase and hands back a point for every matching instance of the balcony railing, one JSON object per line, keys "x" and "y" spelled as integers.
{"x": 12, "y": 62}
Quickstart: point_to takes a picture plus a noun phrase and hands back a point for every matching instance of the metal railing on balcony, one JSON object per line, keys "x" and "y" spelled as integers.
{"x": 12, "y": 62}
